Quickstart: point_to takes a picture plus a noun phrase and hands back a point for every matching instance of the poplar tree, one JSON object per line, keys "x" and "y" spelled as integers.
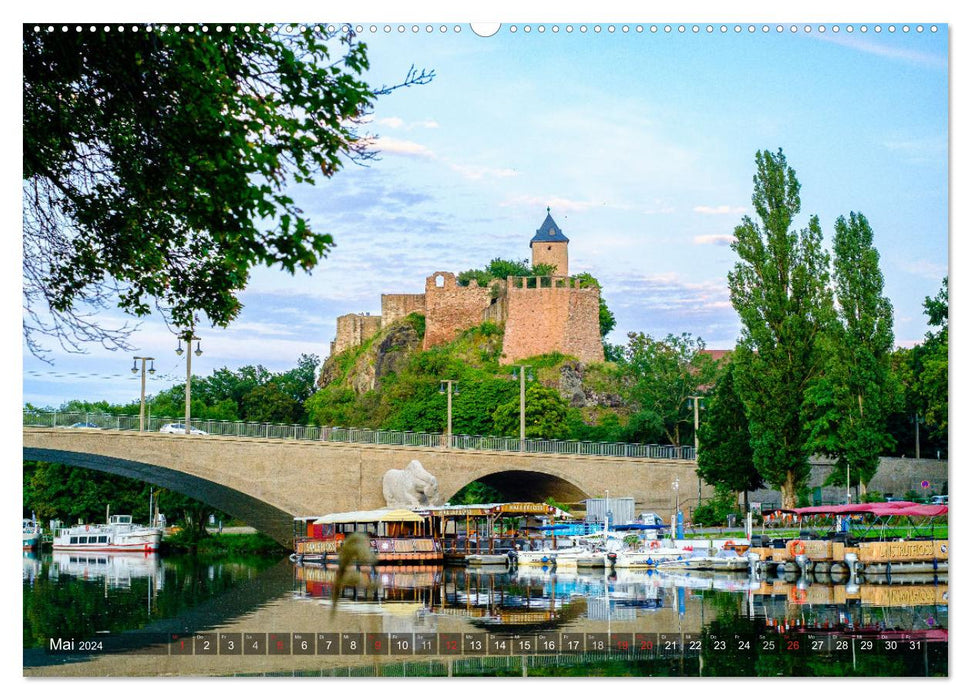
{"x": 857, "y": 391}
{"x": 779, "y": 289}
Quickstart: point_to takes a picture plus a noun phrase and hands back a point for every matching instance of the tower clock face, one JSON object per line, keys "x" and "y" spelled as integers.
{"x": 552, "y": 232}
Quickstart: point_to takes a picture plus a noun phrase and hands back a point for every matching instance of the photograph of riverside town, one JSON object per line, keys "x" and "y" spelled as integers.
{"x": 537, "y": 351}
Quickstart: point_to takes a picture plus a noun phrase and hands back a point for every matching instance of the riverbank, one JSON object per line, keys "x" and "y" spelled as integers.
{"x": 230, "y": 542}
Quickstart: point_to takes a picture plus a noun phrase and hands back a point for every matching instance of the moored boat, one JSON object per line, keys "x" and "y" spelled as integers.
{"x": 560, "y": 557}
{"x": 653, "y": 553}
{"x": 32, "y": 534}
{"x": 119, "y": 534}
{"x": 722, "y": 560}
{"x": 396, "y": 536}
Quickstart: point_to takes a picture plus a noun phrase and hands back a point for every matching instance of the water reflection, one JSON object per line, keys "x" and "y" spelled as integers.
{"x": 85, "y": 594}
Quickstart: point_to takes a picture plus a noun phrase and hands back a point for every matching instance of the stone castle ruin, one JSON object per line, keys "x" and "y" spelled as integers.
{"x": 540, "y": 314}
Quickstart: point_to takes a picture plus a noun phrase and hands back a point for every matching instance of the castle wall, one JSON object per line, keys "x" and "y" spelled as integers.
{"x": 554, "y": 315}
{"x": 353, "y": 330}
{"x": 396, "y": 306}
{"x": 450, "y": 308}
{"x": 553, "y": 253}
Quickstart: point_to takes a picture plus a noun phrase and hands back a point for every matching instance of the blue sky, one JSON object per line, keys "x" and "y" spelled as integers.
{"x": 642, "y": 144}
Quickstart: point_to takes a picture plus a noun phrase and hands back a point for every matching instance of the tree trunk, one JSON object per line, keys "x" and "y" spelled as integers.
{"x": 788, "y": 490}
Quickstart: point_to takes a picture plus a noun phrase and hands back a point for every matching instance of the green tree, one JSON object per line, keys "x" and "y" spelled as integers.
{"x": 157, "y": 165}
{"x": 857, "y": 390}
{"x": 607, "y": 320}
{"x": 932, "y": 383}
{"x": 476, "y": 492}
{"x": 546, "y": 415}
{"x": 661, "y": 375}
{"x": 267, "y": 403}
{"x": 724, "y": 441}
{"x": 779, "y": 289}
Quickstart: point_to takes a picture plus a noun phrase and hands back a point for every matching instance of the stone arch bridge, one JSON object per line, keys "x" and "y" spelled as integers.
{"x": 266, "y": 482}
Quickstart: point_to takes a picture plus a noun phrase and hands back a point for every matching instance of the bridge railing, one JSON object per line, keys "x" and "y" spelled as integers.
{"x": 360, "y": 436}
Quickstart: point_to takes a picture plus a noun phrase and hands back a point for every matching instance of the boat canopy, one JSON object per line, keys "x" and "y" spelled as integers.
{"x": 904, "y": 508}
{"x": 639, "y": 526}
{"x": 399, "y": 515}
{"x": 518, "y": 508}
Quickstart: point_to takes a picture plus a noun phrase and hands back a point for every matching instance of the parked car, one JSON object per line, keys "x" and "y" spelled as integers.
{"x": 87, "y": 426}
{"x": 939, "y": 501}
{"x": 179, "y": 429}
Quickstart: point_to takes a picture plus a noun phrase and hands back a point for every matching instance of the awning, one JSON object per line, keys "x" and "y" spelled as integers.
{"x": 904, "y": 508}
{"x": 371, "y": 516}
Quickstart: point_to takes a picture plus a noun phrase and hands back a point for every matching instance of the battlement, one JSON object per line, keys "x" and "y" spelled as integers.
{"x": 547, "y": 282}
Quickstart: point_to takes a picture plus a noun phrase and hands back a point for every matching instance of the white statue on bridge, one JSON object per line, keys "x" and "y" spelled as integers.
{"x": 410, "y": 487}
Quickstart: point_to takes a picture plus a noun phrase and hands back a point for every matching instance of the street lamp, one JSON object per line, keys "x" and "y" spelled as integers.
{"x": 188, "y": 337}
{"x": 523, "y": 372}
{"x": 696, "y": 401}
{"x": 134, "y": 370}
{"x": 449, "y": 386}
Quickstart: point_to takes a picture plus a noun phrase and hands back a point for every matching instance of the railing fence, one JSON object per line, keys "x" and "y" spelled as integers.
{"x": 365, "y": 436}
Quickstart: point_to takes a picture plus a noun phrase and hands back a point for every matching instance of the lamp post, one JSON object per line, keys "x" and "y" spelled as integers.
{"x": 134, "y": 370}
{"x": 696, "y": 400}
{"x": 449, "y": 386}
{"x": 188, "y": 336}
{"x": 522, "y": 371}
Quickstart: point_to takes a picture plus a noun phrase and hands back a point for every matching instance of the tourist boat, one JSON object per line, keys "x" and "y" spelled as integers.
{"x": 119, "y": 534}
{"x": 32, "y": 534}
{"x": 397, "y": 536}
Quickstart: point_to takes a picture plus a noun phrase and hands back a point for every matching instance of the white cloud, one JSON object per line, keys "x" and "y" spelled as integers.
{"x": 714, "y": 239}
{"x": 399, "y": 123}
{"x": 473, "y": 172}
{"x": 918, "y": 58}
{"x": 387, "y": 145}
{"x": 555, "y": 203}
{"x": 720, "y": 209}
{"x": 925, "y": 268}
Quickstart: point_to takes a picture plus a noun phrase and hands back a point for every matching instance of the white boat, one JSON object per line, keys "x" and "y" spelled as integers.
{"x": 118, "y": 535}
{"x": 561, "y": 557}
{"x": 722, "y": 560}
{"x": 654, "y": 553}
{"x": 32, "y": 534}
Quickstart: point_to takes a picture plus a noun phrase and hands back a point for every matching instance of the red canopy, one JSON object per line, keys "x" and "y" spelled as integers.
{"x": 883, "y": 509}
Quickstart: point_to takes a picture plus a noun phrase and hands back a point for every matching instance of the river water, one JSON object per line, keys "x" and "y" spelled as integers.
{"x": 123, "y": 615}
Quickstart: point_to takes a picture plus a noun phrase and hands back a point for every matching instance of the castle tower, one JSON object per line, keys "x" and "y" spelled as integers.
{"x": 549, "y": 247}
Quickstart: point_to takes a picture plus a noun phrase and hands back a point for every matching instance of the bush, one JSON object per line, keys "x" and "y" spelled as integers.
{"x": 715, "y": 511}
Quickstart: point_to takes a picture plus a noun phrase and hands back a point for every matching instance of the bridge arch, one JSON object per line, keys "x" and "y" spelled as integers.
{"x": 516, "y": 484}
{"x": 261, "y": 515}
